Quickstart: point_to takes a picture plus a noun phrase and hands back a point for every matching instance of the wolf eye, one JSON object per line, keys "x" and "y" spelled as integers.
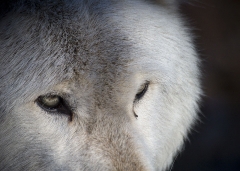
{"x": 50, "y": 102}
{"x": 143, "y": 89}
{"x": 141, "y": 92}
{"x": 53, "y": 104}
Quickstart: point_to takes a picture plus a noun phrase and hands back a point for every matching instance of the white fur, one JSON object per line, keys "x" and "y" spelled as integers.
{"x": 96, "y": 55}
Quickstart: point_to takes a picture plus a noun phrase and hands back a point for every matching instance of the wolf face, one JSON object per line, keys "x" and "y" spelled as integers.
{"x": 95, "y": 85}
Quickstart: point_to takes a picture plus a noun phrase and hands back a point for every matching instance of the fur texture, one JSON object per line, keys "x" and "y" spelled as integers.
{"x": 95, "y": 55}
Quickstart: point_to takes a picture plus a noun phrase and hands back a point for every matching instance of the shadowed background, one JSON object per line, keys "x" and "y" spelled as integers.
{"x": 215, "y": 142}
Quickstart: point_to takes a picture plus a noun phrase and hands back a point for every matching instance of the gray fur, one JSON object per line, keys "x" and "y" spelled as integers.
{"x": 96, "y": 55}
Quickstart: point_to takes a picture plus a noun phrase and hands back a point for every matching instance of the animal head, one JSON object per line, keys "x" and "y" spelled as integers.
{"x": 95, "y": 85}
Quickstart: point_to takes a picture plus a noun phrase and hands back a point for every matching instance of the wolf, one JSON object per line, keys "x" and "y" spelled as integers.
{"x": 95, "y": 85}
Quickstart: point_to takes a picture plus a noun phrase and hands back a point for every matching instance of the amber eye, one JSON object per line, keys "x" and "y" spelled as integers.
{"x": 53, "y": 104}
{"x": 142, "y": 90}
{"x": 50, "y": 101}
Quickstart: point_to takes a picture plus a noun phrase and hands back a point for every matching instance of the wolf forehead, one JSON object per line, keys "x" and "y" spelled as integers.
{"x": 51, "y": 41}
{"x": 63, "y": 39}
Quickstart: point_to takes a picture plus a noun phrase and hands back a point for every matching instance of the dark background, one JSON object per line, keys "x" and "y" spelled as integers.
{"x": 214, "y": 144}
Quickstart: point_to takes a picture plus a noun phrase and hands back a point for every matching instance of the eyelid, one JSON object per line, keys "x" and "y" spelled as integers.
{"x": 140, "y": 94}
